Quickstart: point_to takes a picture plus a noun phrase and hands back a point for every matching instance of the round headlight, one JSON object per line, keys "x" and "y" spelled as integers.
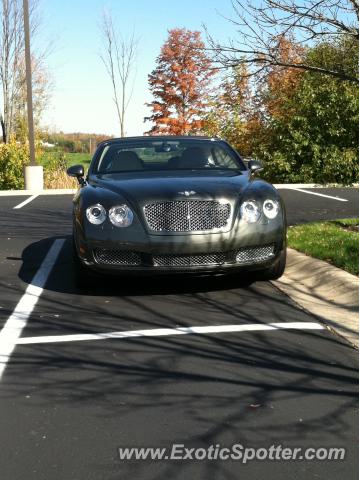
{"x": 121, "y": 216}
{"x": 96, "y": 214}
{"x": 270, "y": 208}
{"x": 250, "y": 211}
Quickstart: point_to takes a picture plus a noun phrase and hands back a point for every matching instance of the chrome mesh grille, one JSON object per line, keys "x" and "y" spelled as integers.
{"x": 116, "y": 257}
{"x": 187, "y": 216}
{"x": 255, "y": 254}
{"x": 189, "y": 260}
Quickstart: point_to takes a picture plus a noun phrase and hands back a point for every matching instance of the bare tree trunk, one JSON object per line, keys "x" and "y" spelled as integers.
{"x": 123, "y": 110}
{"x": 119, "y": 59}
{"x": 12, "y": 67}
{"x": 11, "y": 51}
{"x": 3, "y": 129}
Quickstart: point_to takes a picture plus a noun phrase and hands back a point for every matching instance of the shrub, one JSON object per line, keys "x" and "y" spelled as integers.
{"x": 13, "y": 158}
{"x": 55, "y": 175}
{"x": 319, "y": 164}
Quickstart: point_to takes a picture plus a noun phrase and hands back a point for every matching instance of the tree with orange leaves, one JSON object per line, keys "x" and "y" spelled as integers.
{"x": 180, "y": 84}
{"x": 279, "y": 85}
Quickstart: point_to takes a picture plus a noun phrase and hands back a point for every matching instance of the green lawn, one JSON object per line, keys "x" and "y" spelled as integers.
{"x": 71, "y": 158}
{"x": 329, "y": 241}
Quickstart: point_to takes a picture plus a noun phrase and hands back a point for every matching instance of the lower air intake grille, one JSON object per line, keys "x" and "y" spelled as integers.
{"x": 116, "y": 257}
{"x": 255, "y": 254}
{"x": 189, "y": 260}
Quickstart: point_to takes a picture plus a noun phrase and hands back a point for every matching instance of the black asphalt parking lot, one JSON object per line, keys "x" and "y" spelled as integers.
{"x": 66, "y": 406}
{"x": 303, "y": 207}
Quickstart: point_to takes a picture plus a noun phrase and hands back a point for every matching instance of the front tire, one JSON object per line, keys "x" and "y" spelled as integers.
{"x": 83, "y": 277}
{"x": 275, "y": 271}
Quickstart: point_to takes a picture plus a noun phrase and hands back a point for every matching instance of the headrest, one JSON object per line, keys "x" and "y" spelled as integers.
{"x": 126, "y": 160}
{"x": 193, "y": 157}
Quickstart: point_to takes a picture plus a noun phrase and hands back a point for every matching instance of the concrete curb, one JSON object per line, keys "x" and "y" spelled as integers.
{"x": 329, "y": 293}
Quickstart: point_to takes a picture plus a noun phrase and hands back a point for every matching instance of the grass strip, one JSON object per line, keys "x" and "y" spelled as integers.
{"x": 331, "y": 241}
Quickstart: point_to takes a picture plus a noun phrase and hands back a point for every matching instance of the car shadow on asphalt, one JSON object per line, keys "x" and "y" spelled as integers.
{"x": 61, "y": 278}
{"x": 243, "y": 299}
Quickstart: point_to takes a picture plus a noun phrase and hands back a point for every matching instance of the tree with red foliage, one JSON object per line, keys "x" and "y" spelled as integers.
{"x": 180, "y": 84}
{"x": 281, "y": 83}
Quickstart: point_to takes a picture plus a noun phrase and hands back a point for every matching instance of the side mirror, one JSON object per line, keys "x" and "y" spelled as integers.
{"x": 255, "y": 166}
{"x": 77, "y": 171}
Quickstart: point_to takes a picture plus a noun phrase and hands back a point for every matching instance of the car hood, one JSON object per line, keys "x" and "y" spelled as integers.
{"x": 149, "y": 187}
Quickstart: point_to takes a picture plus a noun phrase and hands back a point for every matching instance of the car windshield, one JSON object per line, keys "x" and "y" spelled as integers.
{"x": 184, "y": 154}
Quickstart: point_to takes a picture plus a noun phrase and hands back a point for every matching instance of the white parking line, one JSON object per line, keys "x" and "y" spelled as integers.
{"x": 15, "y": 324}
{"x": 318, "y": 194}
{"x": 162, "y": 332}
{"x": 25, "y": 202}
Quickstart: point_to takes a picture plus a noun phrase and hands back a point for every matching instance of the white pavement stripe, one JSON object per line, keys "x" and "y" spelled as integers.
{"x": 15, "y": 324}
{"x": 317, "y": 194}
{"x": 162, "y": 332}
{"x": 52, "y": 191}
{"x": 25, "y": 202}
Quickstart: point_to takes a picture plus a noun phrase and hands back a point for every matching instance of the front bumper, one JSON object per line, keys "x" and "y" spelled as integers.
{"x": 108, "y": 249}
{"x": 115, "y": 258}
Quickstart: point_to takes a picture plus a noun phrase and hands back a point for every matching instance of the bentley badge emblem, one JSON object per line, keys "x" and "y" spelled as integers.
{"x": 187, "y": 193}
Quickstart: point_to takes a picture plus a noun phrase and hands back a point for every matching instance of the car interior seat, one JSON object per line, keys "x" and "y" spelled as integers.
{"x": 124, "y": 161}
{"x": 193, "y": 157}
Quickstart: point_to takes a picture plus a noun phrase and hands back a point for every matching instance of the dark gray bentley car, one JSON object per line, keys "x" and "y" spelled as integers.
{"x": 175, "y": 204}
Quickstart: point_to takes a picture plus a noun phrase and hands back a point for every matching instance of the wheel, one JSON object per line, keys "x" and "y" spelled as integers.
{"x": 275, "y": 271}
{"x": 83, "y": 277}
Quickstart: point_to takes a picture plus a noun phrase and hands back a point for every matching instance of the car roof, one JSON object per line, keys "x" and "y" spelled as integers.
{"x": 159, "y": 138}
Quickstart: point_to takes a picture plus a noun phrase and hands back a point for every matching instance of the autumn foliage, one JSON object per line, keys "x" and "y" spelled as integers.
{"x": 180, "y": 84}
{"x": 281, "y": 83}
{"x": 236, "y": 114}
{"x": 303, "y": 125}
